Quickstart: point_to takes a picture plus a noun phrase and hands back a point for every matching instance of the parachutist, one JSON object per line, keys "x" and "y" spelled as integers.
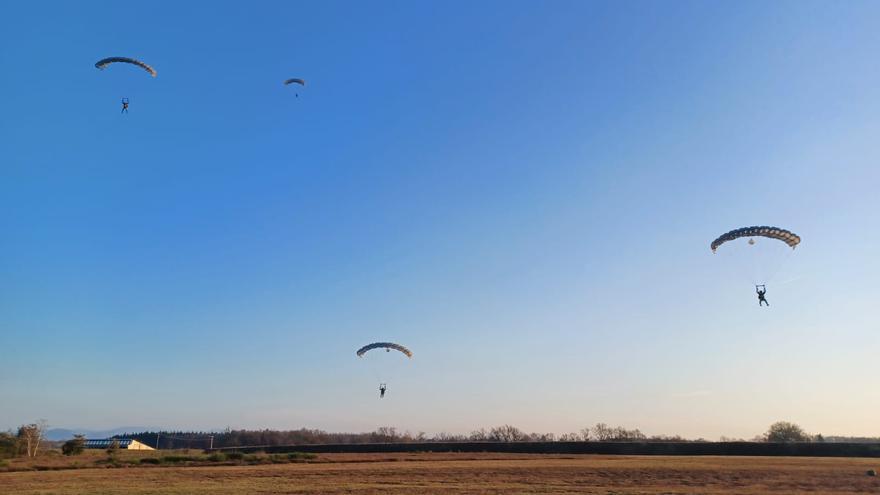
{"x": 124, "y": 105}
{"x": 382, "y": 390}
{"x": 761, "y": 290}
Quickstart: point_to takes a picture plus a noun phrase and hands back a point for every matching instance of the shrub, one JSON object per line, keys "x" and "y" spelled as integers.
{"x": 150, "y": 460}
{"x": 235, "y": 456}
{"x": 217, "y": 457}
{"x": 9, "y": 446}
{"x": 76, "y": 446}
{"x": 784, "y": 431}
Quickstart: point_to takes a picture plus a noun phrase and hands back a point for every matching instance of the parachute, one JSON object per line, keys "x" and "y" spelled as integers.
{"x": 103, "y": 63}
{"x": 783, "y": 235}
{"x": 384, "y": 345}
{"x": 295, "y": 80}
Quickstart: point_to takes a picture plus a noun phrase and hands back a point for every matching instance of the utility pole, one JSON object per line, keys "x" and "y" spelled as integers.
{"x": 157, "y": 440}
{"x": 212, "y": 442}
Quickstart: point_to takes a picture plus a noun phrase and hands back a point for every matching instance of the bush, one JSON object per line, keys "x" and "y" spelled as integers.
{"x": 217, "y": 457}
{"x": 172, "y": 459}
{"x": 784, "y": 431}
{"x": 8, "y": 445}
{"x": 235, "y": 456}
{"x": 150, "y": 460}
{"x": 76, "y": 446}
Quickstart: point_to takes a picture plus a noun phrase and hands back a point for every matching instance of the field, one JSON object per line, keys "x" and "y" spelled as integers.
{"x": 463, "y": 473}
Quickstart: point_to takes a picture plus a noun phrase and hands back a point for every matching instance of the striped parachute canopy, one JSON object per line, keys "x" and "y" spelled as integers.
{"x": 295, "y": 80}
{"x": 103, "y": 63}
{"x": 783, "y": 235}
{"x": 384, "y": 345}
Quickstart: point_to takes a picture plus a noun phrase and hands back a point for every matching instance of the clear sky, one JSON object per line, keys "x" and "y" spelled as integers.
{"x": 521, "y": 192}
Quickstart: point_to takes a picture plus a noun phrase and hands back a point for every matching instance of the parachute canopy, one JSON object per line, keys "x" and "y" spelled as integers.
{"x": 384, "y": 345}
{"x": 103, "y": 63}
{"x": 783, "y": 235}
{"x": 295, "y": 80}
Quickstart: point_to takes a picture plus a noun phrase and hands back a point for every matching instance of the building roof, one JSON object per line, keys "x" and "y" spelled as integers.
{"x": 106, "y": 442}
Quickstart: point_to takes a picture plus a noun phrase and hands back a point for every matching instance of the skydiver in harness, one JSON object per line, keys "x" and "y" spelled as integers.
{"x": 761, "y": 290}
{"x": 382, "y": 388}
{"x": 124, "y": 105}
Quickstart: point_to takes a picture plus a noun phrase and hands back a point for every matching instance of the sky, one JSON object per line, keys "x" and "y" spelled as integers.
{"x": 523, "y": 193}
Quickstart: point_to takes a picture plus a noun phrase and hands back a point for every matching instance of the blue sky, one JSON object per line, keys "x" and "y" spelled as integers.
{"x": 521, "y": 192}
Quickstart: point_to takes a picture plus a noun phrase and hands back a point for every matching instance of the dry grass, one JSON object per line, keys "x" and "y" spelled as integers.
{"x": 470, "y": 473}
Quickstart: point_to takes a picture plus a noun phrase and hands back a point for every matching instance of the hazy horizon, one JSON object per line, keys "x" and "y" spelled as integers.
{"x": 523, "y": 193}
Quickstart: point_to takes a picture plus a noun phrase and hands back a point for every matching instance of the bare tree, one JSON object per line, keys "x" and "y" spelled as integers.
{"x": 586, "y": 436}
{"x": 603, "y": 432}
{"x": 478, "y": 435}
{"x": 507, "y": 433}
{"x": 32, "y": 435}
{"x": 448, "y": 437}
{"x": 385, "y": 434}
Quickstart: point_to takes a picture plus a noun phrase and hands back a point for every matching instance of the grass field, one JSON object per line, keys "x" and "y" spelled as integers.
{"x": 467, "y": 473}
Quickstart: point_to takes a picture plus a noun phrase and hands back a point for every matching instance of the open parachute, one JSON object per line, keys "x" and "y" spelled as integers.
{"x": 384, "y": 345}
{"x": 295, "y": 80}
{"x": 783, "y": 235}
{"x": 103, "y": 63}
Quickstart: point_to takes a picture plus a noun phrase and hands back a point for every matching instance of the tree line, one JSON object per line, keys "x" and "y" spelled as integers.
{"x": 28, "y": 440}
{"x": 781, "y": 431}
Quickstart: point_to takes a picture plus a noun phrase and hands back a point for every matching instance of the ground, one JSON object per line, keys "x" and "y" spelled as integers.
{"x": 466, "y": 473}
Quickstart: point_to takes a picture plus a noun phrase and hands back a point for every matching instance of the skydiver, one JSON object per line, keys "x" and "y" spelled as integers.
{"x": 381, "y": 390}
{"x": 124, "y": 105}
{"x": 761, "y": 290}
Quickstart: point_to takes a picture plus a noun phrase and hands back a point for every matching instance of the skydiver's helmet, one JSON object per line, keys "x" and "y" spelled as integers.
{"x": 751, "y": 242}
{"x": 387, "y": 350}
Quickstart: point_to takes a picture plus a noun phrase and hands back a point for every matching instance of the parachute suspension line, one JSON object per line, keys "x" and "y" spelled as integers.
{"x": 756, "y": 270}
{"x": 779, "y": 266}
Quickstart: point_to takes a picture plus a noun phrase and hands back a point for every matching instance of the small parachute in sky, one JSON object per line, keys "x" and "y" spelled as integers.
{"x": 783, "y": 235}
{"x": 388, "y": 346}
{"x": 103, "y": 63}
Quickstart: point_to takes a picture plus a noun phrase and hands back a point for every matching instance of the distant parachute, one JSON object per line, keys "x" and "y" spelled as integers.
{"x": 783, "y": 235}
{"x": 103, "y": 63}
{"x": 384, "y": 345}
{"x": 295, "y": 80}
